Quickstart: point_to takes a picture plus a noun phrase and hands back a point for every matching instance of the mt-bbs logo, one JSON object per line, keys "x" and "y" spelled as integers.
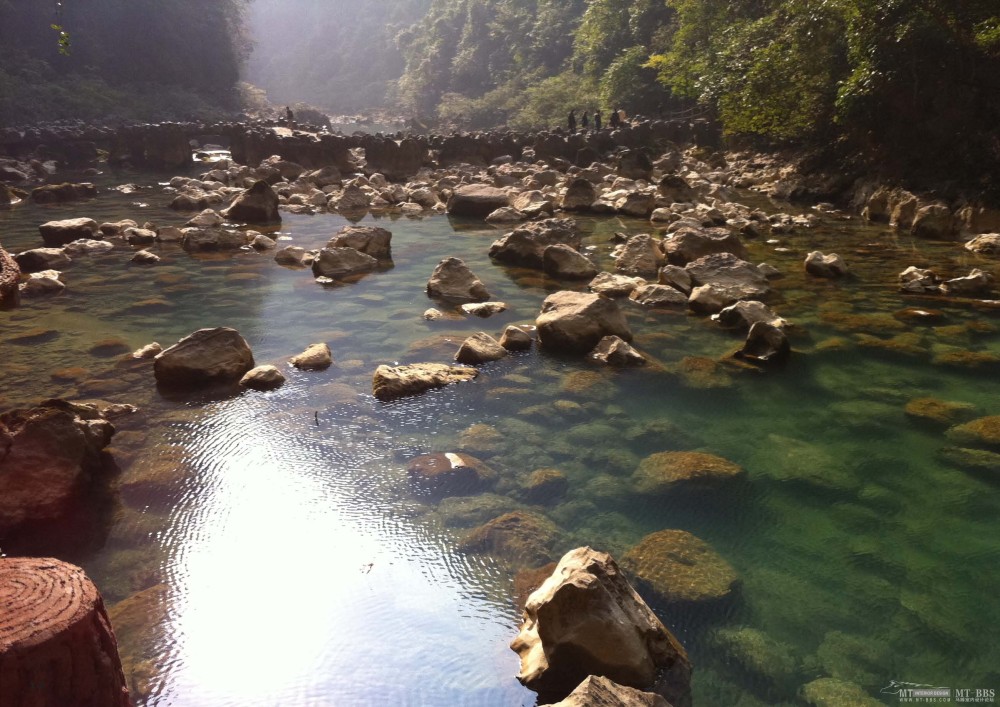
{"x": 912, "y": 692}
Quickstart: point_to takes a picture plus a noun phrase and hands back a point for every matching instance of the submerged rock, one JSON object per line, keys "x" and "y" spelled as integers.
{"x": 450, "y": 473}
{"x": 577, "y": 321}
{"x": 938, "y": 412}
{"x": 544, "y": 486}
{"x": 391, "y": 382}
{"x": 519, "y": 537}
{"x": 664, "y": 471}
{"x": 758, "y": 654}
{"x": 681, "y": 568}
{"x": 51, "y": 455}
{"x": 830, "y": 692}
{"x": 586, "y": 619}
{"x": 206, "y": 356}
{"x": 983, "y": 431}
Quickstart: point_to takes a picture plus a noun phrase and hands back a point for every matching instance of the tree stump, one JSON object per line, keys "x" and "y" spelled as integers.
{"x": 57, "y": 647}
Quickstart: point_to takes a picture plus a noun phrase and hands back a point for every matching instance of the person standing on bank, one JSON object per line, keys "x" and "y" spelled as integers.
{"x": 571, "y": 121}
{"x": 597, "y": 120}
{"x": 585, "y": 121}
{"x": 615, "y": 119}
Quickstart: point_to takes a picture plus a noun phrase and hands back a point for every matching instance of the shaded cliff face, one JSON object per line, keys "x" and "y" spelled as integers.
{"x": 339, "y": 54}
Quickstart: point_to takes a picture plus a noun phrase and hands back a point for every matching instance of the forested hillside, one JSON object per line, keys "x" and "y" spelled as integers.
{"x": 338, "y": 54}
{"x": 124, "y": 58}
{"x": 909, "y": 83}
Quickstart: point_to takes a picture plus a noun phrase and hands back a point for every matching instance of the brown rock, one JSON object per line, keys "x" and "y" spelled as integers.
{"x": 680, "y": 567}
{"x": 48, "y": 456}
{"x": 450, "y": 474}
{"x": 391, "y": 382}
{"x": 939, "y": 412}
{"x": 371, "y": 240}
{"x": 477, "y": 200}
{"x": 522, "y": 538}
{"x": 265, "y": 377}
{"x": 57, "y": 646}
{"x": 515, "y": 338}
{"x": 452, "y": 279}
{"x": 983, "y": 431}
{"x": 577, "y": 321}
{"x": 10, "y": 276}
{"x": 527, "y": 581}
{"x": 316, "y": 357}
{"x": 600, "y": 692}
{"x": 59, "y": 233}
{"x": 545, "y": 486}
{"x": 258, "y": 204}
{"x": 664, "y": 471}
{"x": 480, "y": 348}
{"x": 613, "y": 351}
{"x": 206, "y": 356}
{"x": 586, "y": 619}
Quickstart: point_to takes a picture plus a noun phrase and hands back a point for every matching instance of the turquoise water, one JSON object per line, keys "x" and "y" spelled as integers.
{"x": 295, "y": 564}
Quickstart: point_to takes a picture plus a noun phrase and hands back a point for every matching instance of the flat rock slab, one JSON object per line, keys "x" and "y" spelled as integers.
{"x": 391, "y": 382}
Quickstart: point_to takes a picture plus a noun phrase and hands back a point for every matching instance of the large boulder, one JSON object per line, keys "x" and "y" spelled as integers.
{"x": 634, "y": 164}
{"x": 680, "y": 568}
{"x": 50, "y": 456}
{"x": 56, "y": 193}
{"x": 560, "y": 260}
{"x": 212, "y": 239}
{"x": 217, "y": 355}
{"x": 525, "y": 246}
{"x": 598, "y": 691}
{"x": 342, "y": 262}
{"x": 59, "y": 233}
{"x": 822, "y": 265}
{"x": 10, "y": 276}
{"x": 727, "y": 272}
{"x": 580, "y": 195}
{"x": 477, "y": 200}
{"x": 586, "y": 619}
{"x": 480, "y": 348}
{"x": 42, "y": 259}
{"x": 639, "y": 255}
{"x": 577, "y": 321}
{"x": 933, "y": 221}
{"x": 766, "y": 343}
{"x": 985, "y": 244}
{"x": 688, "y": 244}
{"x": 258, "y": 204}
{"x": 452, "y": 279}
{"x": 978, "y": 283}
{"x": 391, "y": 382}
{"x": 371, "y": 240}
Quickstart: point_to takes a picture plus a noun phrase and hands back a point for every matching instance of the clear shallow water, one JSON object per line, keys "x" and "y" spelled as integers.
{"x": 297, "y": 566}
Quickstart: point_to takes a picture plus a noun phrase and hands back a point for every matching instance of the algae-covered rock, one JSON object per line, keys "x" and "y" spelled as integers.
{"x": 703, "y": 373}
{"x": 481, "y": 439}
{"x": 471, "y": 511}
{"x": 938, "y": 412}
{"x": 971, "y": 459}
{"x": 679, "y": 567}
{"x": 545, "y": 486}
{"x": 787, "y": 459}
{"x": 522, "y": 538}
{"x": 983, "y": 431}
{"x": 665, "y": 471}
{"x": 857, "y": 659}
{"x": 829, "y": 692}
{"x": 757, "y": 653}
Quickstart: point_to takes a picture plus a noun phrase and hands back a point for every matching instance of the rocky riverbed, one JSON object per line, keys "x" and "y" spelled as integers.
{"x": 472, "y": 369}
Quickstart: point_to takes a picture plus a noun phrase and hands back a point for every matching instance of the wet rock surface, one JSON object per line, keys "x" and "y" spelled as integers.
{"x": 679, "y": 567}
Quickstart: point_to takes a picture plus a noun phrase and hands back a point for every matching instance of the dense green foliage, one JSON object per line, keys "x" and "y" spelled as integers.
{"x": 339, "y": 54}
{"x": 125, "y": 58}
{"x": 910, "y": 83}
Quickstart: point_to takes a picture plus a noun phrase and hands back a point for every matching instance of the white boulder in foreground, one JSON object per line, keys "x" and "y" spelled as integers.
{"x": 586, "y": 619}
